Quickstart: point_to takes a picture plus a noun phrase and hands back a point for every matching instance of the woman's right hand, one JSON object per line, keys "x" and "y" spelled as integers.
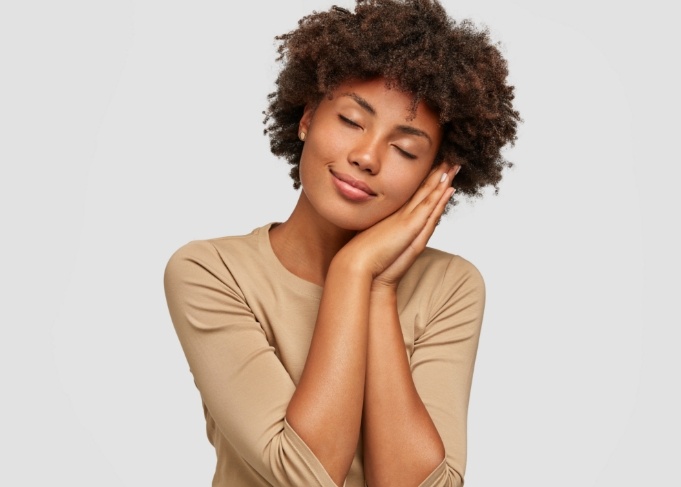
{"x": 387, "y": 249}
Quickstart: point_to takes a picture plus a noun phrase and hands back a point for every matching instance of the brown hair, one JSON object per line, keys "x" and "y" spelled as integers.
{"x": 453, "y": 67}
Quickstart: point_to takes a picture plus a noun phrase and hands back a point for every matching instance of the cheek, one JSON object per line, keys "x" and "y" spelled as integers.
{"x": 315, "y": 155}
{"x": 405, "y": 189}
{"x": 307, "y": 166}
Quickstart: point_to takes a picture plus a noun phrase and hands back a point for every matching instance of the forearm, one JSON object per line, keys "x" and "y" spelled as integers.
{"x": 326, "y": 408}
{"x": 401, "y": 444}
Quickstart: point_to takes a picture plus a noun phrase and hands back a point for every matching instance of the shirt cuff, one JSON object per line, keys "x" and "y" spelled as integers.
{"x": 443, "y": 476}
{"x": 311, "y": 461}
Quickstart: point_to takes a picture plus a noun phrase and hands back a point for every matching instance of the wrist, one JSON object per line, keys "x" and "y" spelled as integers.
{"x": 349, "y": 264}
{"x": 383, "y": 291}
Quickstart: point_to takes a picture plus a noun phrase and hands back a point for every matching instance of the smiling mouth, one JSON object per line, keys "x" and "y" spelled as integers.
{"x": 354, "y": 183}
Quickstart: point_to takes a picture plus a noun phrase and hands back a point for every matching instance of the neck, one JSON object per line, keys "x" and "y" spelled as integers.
{"x": 306, "y": 243}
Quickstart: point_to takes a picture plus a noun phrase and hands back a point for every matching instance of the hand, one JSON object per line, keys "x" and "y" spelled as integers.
{"x": 388, "y": 248}
{"x": 390, "y": 277}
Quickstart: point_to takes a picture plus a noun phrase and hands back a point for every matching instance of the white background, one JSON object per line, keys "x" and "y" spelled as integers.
{"x": 128, "y": 128}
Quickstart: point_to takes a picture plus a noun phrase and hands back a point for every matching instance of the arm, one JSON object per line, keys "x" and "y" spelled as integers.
{"x": 404, "y": 403}
{"x": 326, "y": 408}
{"x": 242, "y": 382}
{"x": 401, "y": 444}
{"x": 328, "y": 403}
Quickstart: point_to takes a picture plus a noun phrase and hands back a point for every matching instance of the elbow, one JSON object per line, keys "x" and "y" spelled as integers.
{"x": 292, "y": 463}
{"x": 444, "y": 475}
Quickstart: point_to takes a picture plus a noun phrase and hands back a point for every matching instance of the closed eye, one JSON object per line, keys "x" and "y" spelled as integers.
{"x": 406, "y": 154}
{"x": 349, "y": 122}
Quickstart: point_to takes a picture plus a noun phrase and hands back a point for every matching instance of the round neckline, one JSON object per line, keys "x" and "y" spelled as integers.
{"x": 299, "y": 283}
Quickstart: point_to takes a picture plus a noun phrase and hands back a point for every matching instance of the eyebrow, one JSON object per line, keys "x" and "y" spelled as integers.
{"x": 408, "y": 129}
{"x": 361, "y": 102}
{"x": 405, "y": 129}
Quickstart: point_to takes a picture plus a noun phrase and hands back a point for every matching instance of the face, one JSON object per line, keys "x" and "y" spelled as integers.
{"x": 364, "y": 155}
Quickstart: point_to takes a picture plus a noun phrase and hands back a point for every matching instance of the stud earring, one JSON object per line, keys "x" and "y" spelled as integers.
{"x": 301, "y": 136}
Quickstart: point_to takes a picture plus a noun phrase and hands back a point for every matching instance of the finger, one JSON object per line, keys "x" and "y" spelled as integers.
{"x": 428, "y": 201}
{"x": 425, "y": 215}
{"x": 441, "y": 205}
{"x": 422, "y": 238}
{"x": 434, "y": 182}
{"x": 457, "y": 168}
{"x": 433, "y": 177}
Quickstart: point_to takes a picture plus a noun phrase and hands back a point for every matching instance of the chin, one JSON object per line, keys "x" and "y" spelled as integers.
{"x": 354, "y": 221}
{"x": 354, "y": 226}
{"x": 348, "y": 216}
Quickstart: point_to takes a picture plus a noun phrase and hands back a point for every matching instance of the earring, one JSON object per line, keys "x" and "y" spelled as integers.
{"x": 301, "y": 136}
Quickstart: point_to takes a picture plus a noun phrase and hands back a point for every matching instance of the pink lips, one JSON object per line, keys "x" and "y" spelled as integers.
{"x": 352, "y": 188}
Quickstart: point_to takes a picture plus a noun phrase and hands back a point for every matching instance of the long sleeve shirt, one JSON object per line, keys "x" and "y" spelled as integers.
{"x": 245, "y": 324}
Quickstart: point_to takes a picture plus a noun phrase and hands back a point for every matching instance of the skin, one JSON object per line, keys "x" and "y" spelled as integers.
{"x": 358, "y": 246}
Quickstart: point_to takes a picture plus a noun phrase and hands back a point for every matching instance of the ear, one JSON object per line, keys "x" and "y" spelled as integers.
{"x": 306, "y": 119}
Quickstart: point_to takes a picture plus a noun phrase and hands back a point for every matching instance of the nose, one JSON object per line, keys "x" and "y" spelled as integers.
{"x": 365, "y": 156}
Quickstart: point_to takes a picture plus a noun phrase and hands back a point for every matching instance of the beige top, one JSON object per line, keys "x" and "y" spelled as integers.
{"x": 245, "y": 324}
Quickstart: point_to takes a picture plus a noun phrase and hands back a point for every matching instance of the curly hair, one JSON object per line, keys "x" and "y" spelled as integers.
{"x": 453, "y": 67}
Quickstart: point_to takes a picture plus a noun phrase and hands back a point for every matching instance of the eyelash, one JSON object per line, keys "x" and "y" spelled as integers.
{"x": 406, "y": 154}
{"x": 403, "y": 152}
{"x": 349, "y": 122}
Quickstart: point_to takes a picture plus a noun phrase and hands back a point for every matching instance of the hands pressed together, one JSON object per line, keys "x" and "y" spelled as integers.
{"x": 357, "y": 376}
{"x": 387, "y": 249}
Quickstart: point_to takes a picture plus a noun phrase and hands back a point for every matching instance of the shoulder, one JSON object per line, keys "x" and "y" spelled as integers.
{"x": 455, "y": 294}
{"x": 442, "y": 271}
{"x": 212, "y": 256}
{"x": 447, "y": 286}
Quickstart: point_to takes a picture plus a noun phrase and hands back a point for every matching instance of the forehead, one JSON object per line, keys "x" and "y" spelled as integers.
{"x": 380, "y": 99}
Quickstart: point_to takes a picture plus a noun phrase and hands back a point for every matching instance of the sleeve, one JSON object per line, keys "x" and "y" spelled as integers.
{"x": 443, "y": 360}
{"x": 242, "y": 383}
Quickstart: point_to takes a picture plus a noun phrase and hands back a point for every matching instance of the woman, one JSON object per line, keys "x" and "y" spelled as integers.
{"x": 335, "y": 348}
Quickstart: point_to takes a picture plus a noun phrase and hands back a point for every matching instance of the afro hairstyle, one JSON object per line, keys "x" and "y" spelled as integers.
{"x": 451, "y": 66}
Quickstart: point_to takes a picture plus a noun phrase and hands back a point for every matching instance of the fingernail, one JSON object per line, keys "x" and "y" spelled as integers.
{"x": 457, "y": 170}
{"x": 443, "y": 178}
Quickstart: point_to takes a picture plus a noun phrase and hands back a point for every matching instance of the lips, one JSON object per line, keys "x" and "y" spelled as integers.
{"x": 355, "y": 183}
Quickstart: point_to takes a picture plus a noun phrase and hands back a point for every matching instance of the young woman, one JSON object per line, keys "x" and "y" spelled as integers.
{"x": 335, "y": 348}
